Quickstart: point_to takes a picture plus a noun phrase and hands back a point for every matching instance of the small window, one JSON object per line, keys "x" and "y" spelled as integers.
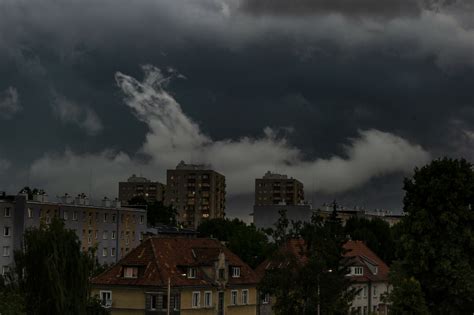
{"x": 105, "y": 252}
{"x": 112, "y": 252}
{"x": 105, "y": 235}
{"x": 5, "y": 270}
{"x": 365, "y": 292}
{"x": 153, "y": 302}
{"x": 358, "y": 271}
{"x": 245, "y": 297}
{"x": 106, "y": 298}
{"x": 7, "y": 212}
{"x": 142, "y": 219}
{"x": 106, "y": 217}
{"x": 196, "y": 299}
{"x": 266, "y": 298}
{"x": 6, "y": 251}
{"x": 30, "y": 213}
{"x": 208, "y": 299}
{"x": 113, "y": 235}
{"x": 130, "y": 272}
{"x": 235, "y": 272}
{"x": 65, "y": 215}
{"x": 375, "y": 291}
{"x": 114, "y": 218}
{"x": 6, "y": 231}
{"x": 192, "y": 273}
{"x": 233, "y": 297}
{"x": 74, "y": 216}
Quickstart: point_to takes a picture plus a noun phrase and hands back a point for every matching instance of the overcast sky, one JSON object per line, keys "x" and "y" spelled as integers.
{"x": 347, "y": 96}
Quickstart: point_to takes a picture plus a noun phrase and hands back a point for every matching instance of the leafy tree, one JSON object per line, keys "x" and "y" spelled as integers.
{"x": 406, "y": 296}
{"x": 437, "y": 243}
{"x": 250, "y": 244}
{"x": 11, "y": 299}
{"x": 53, "y": 272}
{"x": 157, "y": 212}
{"x": 313, "y": 277}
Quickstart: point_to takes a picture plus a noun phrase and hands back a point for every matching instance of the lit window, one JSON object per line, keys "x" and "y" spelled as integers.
{"x": 7, "y": 212}
{"x": 192, "y": 273}
{"x": 196, "y": 299}
{"x": 208, "y": 299}
{"x": 245, "y": 297}
{"x": 235, "y": 272}
{"x": 233, "y": 297}
{"x": 6, "y": 231}
{"x": 106, "y": 298}
{"x": 130, "y": 272}
{"x": 6, "y": 251}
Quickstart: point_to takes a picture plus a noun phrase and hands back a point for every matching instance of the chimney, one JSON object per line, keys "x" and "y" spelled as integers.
{"x": 67, "y": 199}
{"x": 106, "y": 202}
{"x": 116, "y": 203}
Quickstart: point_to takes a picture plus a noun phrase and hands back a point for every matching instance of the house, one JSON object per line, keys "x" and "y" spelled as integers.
{"x": 184, "y": 275}
{"x": 368, "y": 274}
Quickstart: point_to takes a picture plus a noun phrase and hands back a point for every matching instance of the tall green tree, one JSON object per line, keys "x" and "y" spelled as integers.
{"x": 12, "y": 301}
{"x": 313, "y": 277}
{"x": 53, "y": 272}
{"x": 250, "y": 244}
{"x": 437, "y": 244}
{"x": 157, "y": 212}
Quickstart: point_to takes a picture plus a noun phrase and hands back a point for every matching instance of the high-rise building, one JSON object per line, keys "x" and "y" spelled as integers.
{"x": 114, "y": 230}
{"x": 274, "y": 189}
{"x": 196, "y": 192}
{"x": 137, "y": 186}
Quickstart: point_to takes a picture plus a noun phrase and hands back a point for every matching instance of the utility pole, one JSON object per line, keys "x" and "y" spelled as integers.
{"x": 169, "y": 296}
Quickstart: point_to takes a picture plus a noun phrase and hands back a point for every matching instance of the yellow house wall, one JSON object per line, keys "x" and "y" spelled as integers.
{"x": 125, "y": 300}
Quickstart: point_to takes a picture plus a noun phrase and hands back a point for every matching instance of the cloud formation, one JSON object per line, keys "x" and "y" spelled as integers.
{"x": 173, "y": 136}
{"x": 83, "y": 116}
{"x": 9, "y": 103}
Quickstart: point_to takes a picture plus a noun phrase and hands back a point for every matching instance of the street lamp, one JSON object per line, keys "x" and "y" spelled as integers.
{"x": 319, "y": 294}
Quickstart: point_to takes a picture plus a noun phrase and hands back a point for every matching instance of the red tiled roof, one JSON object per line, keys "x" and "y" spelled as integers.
{"x": 161, "y": 258}
{"x": 356, "y": 250}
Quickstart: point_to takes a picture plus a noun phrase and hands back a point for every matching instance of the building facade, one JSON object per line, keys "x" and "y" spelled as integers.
{"x": 184, "y": 275}
{"x": 112, "y": 229}
{"x": 137, "y": 186}
{"x": 265, "y": 217}
{"x": 197, "y": 193}
{"x": 274, "y": 189}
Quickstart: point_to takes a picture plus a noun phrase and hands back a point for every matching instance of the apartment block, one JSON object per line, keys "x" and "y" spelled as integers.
{"x": 274, "y": 189}
{"x": 138, "y": 186}
{"x": 113, "y": 229}
{"x": 197, "y": 193}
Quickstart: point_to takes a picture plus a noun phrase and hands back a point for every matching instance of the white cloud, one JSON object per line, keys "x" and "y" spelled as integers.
{"x": 9, "y": 103}
{"x": 83, "y": 116}
{"x": 173, "y": 136}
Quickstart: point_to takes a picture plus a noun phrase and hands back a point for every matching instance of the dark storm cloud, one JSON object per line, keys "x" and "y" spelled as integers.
{"x": 386, "y": 8}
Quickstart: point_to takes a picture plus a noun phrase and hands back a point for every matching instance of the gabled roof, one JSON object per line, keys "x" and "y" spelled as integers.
{"x": 160, "y": 258}
{"x": 357, "y": 251}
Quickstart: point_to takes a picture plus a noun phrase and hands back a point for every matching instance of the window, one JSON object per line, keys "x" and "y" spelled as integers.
{"x": 106, "y": 298}
{"x": 30, "y": 213}
{"x": 245, "y": 297}
{"x": 153, "y": 302}
{"x": 266, "y": 298}
{"x": 74, "y": 216}
{"x": 196, "y": 299}
{"x": 105, "y": 217}
{"x": 192, "y": 273}
{"x": 233, "y": 297}
{"x": 5, "y": 270}
{"x": 208, "y": 299}
{"x": 164, "y": 302}
{"x": 375, "y": 291}
{"x": 112, "y": 251}
{"x": 65, "y": 215}
{"x": 6, "y": 251}
{"x": 376, "y": 270}
{"x": 105, "y": 235}
{"x": 365, "y": 310}
{"x": 7, "y": 212}
{"x": 140, "y": 236}
{"x": 130, "y": 272}
{"x": 113, "y": 235}
{"x": 222, "y": 274}
{"x": 121, "y": 235}
{"x": 6, "y": 231}
{"x": 113, "y": 218}
{"x": 365, "y": 292}
{"x": 235, "y": 272}
{"x": 104, "y": 252}
{"x": 358, "y": 271}
{"x": 142, "y": 219}
{"x": 96, "y": 234}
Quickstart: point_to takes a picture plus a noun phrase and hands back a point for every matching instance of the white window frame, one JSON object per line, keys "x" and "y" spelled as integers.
{"x": 359, "y": 271}
{"x": 193, "y": 300}
{"x": 105, "y": 252}
{"x": 6, "y": 251}
{"x": 5, "y": 229}
{"x": 74, "y": 216}
{"x": 245, "y": 293}
{"x": 131, "y": 275}
{"x": 235, "y": 272}
{"x": 234, "y": 297}
{"x": 266, "y": 298}
{"x": 105, "y": 235}
{"x": 101, "y": 295}
{"x": 208, "y": 299}
{"x": 155, "y": 297}
{"x": 113, "y": 236}
{"x": 29, "y": 212}
{"x": 5, "y": 214}
{"x": 192, "y": 273}
{"x": 112, "y": 251}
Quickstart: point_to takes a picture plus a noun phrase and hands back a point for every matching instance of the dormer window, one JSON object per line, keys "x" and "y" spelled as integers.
{"x": 235, "y": 272}
{"x": 192, "y": 273}
{"x": 376, "y": 270}
{"x": 358, "y": 271}
{"x": 130, "y": 272}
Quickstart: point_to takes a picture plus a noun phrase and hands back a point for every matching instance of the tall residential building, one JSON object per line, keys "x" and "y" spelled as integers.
{"x": 274, "y": 189}
{"x": 137, "y": 186}
{"x": 196, "y": 192}
{"x": 113, "y": 229}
